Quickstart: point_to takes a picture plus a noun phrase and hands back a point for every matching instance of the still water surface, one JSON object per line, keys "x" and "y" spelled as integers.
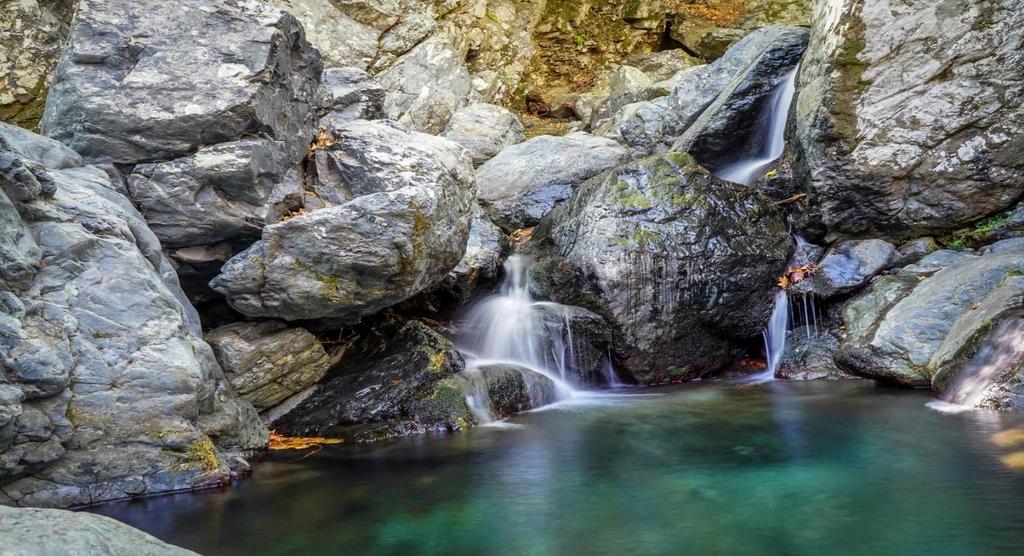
{"x": 777, "y": 468}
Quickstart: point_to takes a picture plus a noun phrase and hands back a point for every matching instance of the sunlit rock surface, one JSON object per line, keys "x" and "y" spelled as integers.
{"x": 33, "y": 532}
{"x": 909, "y": 115}
{"x": 484, "y": 129}
{"x": 267, "y": 362}
{"x": 525, "y": 181}
{"x": 929, "y": 318}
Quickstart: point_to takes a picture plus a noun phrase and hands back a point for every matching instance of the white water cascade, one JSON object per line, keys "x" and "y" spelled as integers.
{"x": 509, "y": 327}
{"x": 775, "y": 335}
{"x": 773, "y": 128}
{"x": 787, "y": 314}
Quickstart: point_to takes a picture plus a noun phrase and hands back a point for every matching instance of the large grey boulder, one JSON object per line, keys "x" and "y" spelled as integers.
{"x": 397, "y": 223}
{"x": 268, "y": 362}
{"x": 675, "y": 259}
{"x": 116, "y": 393}
{"x": 484, "y": 130}
{"x": 930, "y": 317}
{"x": 118, "y": 97}
{"x": 478, "y": 268}
{"x": 39, "y": 532}
{"x": 909, "y": 115}
{"x": 525, "y": 181}
{"x": 733, "y": 87}
{"x": 391, "y": 384}
{"x": 426, "y": 85}
{"x": 846, "y": 267}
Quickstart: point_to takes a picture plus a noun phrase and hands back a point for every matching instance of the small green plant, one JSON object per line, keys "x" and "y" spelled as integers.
{"x": 579, "y": 40}
{"x": 958, "y": 243}
{"x": 493, "y": 17}
{"x": 991, "y": 224}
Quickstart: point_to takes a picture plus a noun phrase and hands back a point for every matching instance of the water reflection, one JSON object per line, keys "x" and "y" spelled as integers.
{"x": 739, "y": 469}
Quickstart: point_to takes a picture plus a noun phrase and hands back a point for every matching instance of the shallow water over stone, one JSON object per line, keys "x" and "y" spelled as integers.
{"x": 775, "y": 468}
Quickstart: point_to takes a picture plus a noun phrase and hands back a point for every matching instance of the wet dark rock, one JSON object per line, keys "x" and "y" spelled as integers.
{"x": 502, "y": 390}
{"x": 676, "y": 260}
{"x": 846, "y": 267}
{"x": 525, "y": 181}
{"x": 386, "y": 388}
{"x": 906, "y": 133}
{"x": 732, "y": 87}
{"x": 729, "y": 127}
{"x": 578, "y": 335}
{"x": 809, "y": 356}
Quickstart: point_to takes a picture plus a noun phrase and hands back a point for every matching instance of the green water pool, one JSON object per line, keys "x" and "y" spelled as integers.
{"x": 777, "y": 468}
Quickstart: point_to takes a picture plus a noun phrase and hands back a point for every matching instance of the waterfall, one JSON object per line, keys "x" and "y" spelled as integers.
{"x": 773, "y": 130}
{"x": 510, "y": 327}
{"x": 775, "y": 335}
{"x": 611, "y": 377}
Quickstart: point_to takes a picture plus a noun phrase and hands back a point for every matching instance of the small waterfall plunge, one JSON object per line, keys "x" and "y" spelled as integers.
{"x": 790, "y": 312}
{"x": 510, "y": 327}
{"x": 773, "y": 129}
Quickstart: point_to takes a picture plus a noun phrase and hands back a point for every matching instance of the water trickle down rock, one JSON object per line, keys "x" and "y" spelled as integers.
{"x": 677, "y": 260}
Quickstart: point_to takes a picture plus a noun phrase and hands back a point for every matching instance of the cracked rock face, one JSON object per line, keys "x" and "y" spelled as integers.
{"x": 31, "y": 32}
{"x": 117, "y": 94}
{"x": 268, "y": 362}
{"x": 909, "y": 114}
{"x": 400, "y": 205}
{"x": 106, "y": 387}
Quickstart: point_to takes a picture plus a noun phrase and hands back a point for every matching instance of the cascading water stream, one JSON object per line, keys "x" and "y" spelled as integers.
{"x": 1003, "y": 349}
{"x": 773, "y": 128}
{"x": 775, "y": 335}
{"x": 509, "y": 327}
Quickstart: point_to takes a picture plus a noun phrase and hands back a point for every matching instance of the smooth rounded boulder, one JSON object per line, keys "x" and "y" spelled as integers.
{"x": 525, "y": 181}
